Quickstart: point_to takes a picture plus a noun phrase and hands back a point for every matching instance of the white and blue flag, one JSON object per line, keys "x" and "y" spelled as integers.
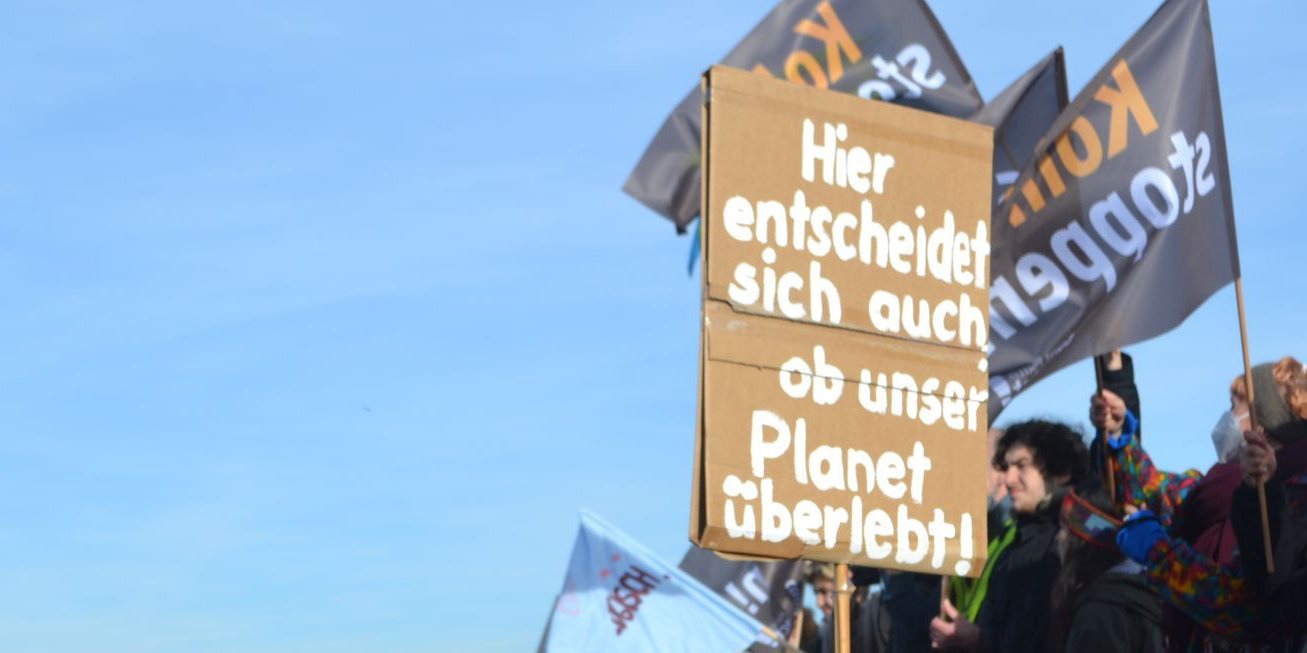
{"x": 618, "y": 596}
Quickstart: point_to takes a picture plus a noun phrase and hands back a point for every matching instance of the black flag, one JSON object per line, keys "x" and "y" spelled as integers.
{"x": 1122, "y": 224}
{"x": 890, "y": 50}
{"x": 1021, "y": 115}
{"x": 770, "y": 591}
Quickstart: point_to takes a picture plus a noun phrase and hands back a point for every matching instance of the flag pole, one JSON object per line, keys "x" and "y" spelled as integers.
{"x": 781, "y": 641}
{"x": 1252, "y": 420}
{"x": 1109, "y": 467}
{"x": 842, "y": 592}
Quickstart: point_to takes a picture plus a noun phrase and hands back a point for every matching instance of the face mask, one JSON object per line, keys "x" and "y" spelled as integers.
{"x": 1227, "y": 437}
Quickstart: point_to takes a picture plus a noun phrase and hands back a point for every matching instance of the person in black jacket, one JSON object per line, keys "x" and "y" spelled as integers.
{"x": 1040, "y": 461}
{"x": 1287, "y": 587}
{"x": 1100, "y": 600}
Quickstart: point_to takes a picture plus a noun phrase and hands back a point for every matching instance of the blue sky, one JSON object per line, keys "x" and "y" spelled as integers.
{"x": 323, "y": 320}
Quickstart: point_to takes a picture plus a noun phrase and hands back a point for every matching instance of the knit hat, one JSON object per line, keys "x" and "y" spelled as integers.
{"x": 1273, "y": 415}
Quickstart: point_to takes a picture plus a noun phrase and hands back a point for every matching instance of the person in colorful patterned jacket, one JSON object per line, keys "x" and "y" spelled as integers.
{"x": 1184, "y": 535}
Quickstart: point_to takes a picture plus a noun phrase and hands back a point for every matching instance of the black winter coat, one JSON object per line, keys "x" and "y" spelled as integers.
{"x": 1015, "y": 614}
{"x": 1287, "y": 587}
{"x": 1116, "y": 612}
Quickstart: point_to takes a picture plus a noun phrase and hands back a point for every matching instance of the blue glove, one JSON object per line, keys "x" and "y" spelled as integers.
{"x": 1128, "y": 431}
{"x": 1138, "y": 534}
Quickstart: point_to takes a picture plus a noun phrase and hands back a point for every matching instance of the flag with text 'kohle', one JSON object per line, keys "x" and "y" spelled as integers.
{"x": 619, "y": 597}
{"x": 892, "y": 50}
{"x": 770, "y": 591}
{"x": 1123, "y": 223}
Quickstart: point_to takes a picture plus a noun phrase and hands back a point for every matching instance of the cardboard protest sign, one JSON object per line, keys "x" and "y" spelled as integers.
{"x": 842, "y": 367}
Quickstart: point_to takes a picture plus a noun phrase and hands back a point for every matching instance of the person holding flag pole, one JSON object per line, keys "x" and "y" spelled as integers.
{"x": 1286, "y": 495}
{"x": 1115, "y": 373}
{"x": 1120, "y": 226}
{"x": 1181, "y": 528}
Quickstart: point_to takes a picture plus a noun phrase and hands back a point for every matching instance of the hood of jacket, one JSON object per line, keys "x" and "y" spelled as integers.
{"x": 1128, "y": 592}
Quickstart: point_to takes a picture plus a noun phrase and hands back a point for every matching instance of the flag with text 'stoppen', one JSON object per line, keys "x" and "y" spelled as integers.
{"x": 891, "y": 50}
{"x": 1123, "y": 223}
{"x": 620, "y": 597}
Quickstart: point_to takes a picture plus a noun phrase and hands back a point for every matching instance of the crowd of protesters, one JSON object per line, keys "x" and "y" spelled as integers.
{"x": 1092, "y": 548}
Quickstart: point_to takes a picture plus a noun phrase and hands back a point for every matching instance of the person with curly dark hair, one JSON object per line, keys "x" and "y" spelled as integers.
{"x": 1040, "y": 461}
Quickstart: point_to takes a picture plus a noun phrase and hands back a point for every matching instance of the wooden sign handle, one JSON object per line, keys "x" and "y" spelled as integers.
{"x": 842, "y": 595}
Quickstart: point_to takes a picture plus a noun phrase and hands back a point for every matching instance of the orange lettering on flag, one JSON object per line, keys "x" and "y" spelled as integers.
{"x": 1016, "y": 217}
{"x": 836, "y": 38}
{"x": 1066, "y": 151}
{"x": 801, "y": 61}
{"x": 1052, "y": 178}
{"x": 1126, "y": 100}
{"x": 1032, "y": 195}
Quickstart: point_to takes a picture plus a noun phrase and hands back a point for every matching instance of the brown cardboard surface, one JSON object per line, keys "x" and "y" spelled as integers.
{"x": 796, "y": 408}
{"x": 940, "y": 164}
